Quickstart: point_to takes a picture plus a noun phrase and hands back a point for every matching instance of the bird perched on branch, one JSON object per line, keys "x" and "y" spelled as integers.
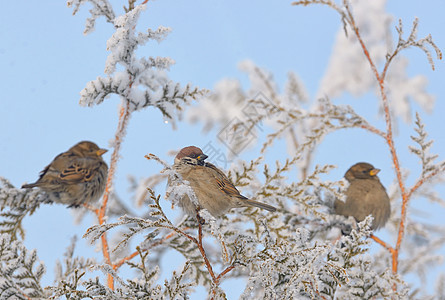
{"x": 212, "y": 188}
{"x": 364, "y": 196}
{"x": 76, "y": 176}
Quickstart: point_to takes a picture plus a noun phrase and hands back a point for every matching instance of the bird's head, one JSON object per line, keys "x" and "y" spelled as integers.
{"x": 190, "y": 155}
{"x": 362, "y": 170}
{"x": 88, "y": 149}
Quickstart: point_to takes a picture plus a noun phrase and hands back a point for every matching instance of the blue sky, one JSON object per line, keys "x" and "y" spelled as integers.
{"x": 46, "y": 61}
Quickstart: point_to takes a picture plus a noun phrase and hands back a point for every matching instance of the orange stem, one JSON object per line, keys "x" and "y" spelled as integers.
{"x": 198, "y": 242}
{"x": 382, "y": 243}
{"x": 123, "y": 260}
{"x": 227, "y": 270}
{"x": 100, "y": 213}
{"x": 134, "y": 254}
{"x": 390, "y": 142}
{"x": 203, "y": 253}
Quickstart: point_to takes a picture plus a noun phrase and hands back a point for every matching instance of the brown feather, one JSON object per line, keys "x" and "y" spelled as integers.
{"x": 225, "y": 184}
{"x": 76, "y": 176}
{"x": 213, "y": 190}
{"x": 364, "y": 196}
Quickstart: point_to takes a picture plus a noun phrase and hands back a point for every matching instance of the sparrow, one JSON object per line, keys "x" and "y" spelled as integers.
{"x": 212, "y": 188}
{"x": 76, "y": 176}
{"x": 364, "y": 196}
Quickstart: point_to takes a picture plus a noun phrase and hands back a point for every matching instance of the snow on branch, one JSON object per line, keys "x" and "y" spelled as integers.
{"x": 429, "y": 168}
{"x": 19, "y": 273}
{"x": 126, "y": 40}
{"x": 167, "y": 98}
{"x": 422, "y": 151}
{"x": 100, "y": 8}
{"x": 412, "y": 41}
{"x": 69, "y": 275}
{"x": 400, "y": 87}
{"x": 143, "y": 81}
{"x": 15, "y": 205}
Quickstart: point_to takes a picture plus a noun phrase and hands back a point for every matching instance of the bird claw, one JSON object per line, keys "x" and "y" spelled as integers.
{"x": 200, "y": 219}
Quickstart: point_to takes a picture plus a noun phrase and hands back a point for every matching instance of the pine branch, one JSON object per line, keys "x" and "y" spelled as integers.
{"x": 20, "y": 276}
{"x": 100, "y": 8}
{"x": 429, "y": 169}
{"x": 15, "y": 205}
{"x": 412, "y": 42}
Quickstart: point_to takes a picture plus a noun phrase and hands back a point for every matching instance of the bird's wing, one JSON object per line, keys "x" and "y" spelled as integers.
{"x": 223, "y": 182}
{"x": 50, "y": 174}
{"x": 71, "y": 169}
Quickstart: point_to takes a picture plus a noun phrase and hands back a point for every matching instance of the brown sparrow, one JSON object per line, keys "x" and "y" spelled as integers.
{"x": 364, "y": 196}
{"x": 212, "y": 188}
{"x": 76, "y": 176}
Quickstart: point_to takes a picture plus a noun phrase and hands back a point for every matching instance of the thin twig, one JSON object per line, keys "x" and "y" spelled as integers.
{"x": 100, "y": 213}
{"x": 389, "y": 140}
{"x": 394, "y": 252}
{"x": 373, "y": 130}
{"x": 382, "y": 243}
{"x": 224, "y": 272}
{"x": 198, "y": 241}
{"x": 421, "y": 181}
{"x": 134, "y": 254}
{"x": 203, "y": 253}
{"x": 125, "y": 259}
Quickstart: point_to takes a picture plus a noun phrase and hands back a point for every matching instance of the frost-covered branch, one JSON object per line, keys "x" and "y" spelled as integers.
{"x": 429, "y": 169}
{"x": 100, "y": 8}
{"x": 19, "y": 273}
{"x": 412, "y": 42}
{"x": 144, "y": 81}
{"x": 15, "y": 205}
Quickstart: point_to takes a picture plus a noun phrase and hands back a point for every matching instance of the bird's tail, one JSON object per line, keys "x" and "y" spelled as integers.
{"x": 29, "y": 186}
{"x": 260, "y": 205}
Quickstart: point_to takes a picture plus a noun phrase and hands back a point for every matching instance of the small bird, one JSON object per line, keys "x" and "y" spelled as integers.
{"x": 213, "y": 189}
{"x": 364, "y": 196}
{"x": 76, "y": 176}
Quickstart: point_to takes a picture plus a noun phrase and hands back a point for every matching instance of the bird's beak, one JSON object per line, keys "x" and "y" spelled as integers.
{"x": 374, "y": 172}
{"x": 202, "y": 157}
{"x": 101, "y": 151}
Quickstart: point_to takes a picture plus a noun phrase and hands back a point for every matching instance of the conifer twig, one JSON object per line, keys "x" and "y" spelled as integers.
{"x": 134, "y": 254}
